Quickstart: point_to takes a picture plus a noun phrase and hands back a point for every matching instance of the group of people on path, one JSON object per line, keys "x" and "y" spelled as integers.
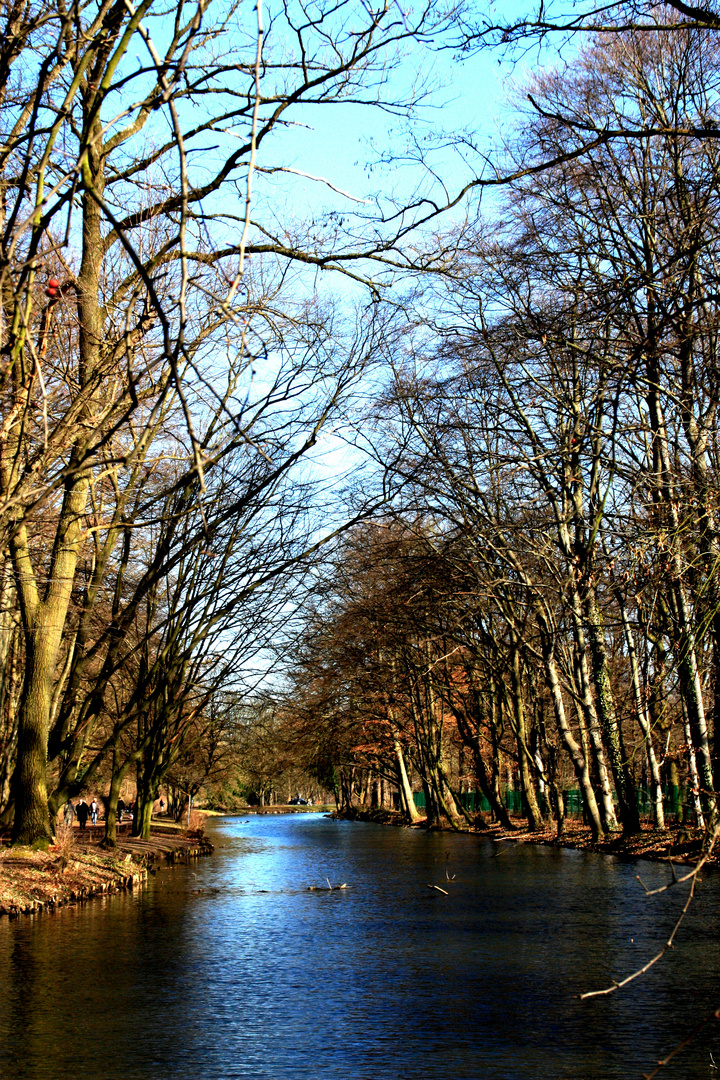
{"x": 82, "y": 811}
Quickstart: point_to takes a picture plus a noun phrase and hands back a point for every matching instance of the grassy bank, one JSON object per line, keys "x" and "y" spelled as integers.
{"x": 76, "y": 868}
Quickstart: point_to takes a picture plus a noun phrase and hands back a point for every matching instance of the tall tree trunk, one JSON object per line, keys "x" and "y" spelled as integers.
{"x": 43, "y": 620}
{"x": 669, "y": 527}
{"x": 624, "y": 784}
{"x": 692, "y": 692}
{"x": 44, "y": 612}
{"x": 411, "y": 809}
{"x": 592, "y": 720}
{"x": 643, "y": 717}
{"x": 116, "y": 778}
{"x": 579, "y": 760}
{"x": 484, "y": 782}
{"x": 692, "y": 767}
{"x": 535, "y": 818}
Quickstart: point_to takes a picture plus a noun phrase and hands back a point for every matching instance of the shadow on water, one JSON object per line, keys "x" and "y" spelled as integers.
{"x": 235, "y": 968}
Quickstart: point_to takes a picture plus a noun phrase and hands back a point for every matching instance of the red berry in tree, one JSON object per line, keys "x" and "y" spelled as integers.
{"x": 53, "y": 283}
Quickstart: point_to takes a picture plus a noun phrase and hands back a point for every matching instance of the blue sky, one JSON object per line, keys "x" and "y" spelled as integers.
{"x": 343, "y": 142}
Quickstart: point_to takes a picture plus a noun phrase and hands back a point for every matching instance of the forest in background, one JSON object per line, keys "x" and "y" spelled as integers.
{"x": 514, "y": 583}
{"x": 538, "y": 608}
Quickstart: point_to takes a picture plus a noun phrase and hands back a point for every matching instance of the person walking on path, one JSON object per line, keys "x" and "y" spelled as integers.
{"x": 82, "y": 812}
{"x": 94, "y": 810}
{"x": 68, "y": 814}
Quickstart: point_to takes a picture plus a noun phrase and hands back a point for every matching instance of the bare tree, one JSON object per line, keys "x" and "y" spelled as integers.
{"x": 124, "y": 270}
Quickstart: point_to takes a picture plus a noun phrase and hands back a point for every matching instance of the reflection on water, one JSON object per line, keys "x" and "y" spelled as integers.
{"x": 234, "y": 968}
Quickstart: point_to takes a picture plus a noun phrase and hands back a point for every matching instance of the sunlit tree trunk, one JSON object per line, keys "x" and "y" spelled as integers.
{"x": 535, "y": 819}
{"x": 579, "y": 760}
{"x": 404, "y": 783}
{"x": 624, "y": 785}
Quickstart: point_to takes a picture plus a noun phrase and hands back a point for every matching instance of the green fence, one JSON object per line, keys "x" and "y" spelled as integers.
{"x": 674, "y": 801}
{"x": 475, "y": 801}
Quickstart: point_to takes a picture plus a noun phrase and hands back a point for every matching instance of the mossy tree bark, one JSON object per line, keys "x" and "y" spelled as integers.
{"x": 44, "y": 607}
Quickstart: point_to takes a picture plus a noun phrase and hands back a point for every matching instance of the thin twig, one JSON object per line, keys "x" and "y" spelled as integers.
{"x": 310, "y": 176}
{"x": 253, "y": 154}
{"x": 681, "y": 1046}
{"x": 182, "y": 300}
{"x": 692, "y": 877}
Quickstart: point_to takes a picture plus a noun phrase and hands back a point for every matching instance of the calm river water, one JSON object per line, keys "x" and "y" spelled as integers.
{"x": 234, "y": 969}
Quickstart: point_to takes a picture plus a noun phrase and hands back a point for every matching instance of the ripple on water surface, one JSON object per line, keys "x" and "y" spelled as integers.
{"x": 234, "y": 968}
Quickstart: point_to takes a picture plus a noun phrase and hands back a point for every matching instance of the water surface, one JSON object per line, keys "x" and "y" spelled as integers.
{"x": 233, "y": 968}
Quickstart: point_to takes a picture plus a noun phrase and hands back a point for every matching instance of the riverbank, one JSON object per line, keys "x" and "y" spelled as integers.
{"x": 282, "y": 808}
{"x": 678, "y": 844}
{"x": 77, "y": 868}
